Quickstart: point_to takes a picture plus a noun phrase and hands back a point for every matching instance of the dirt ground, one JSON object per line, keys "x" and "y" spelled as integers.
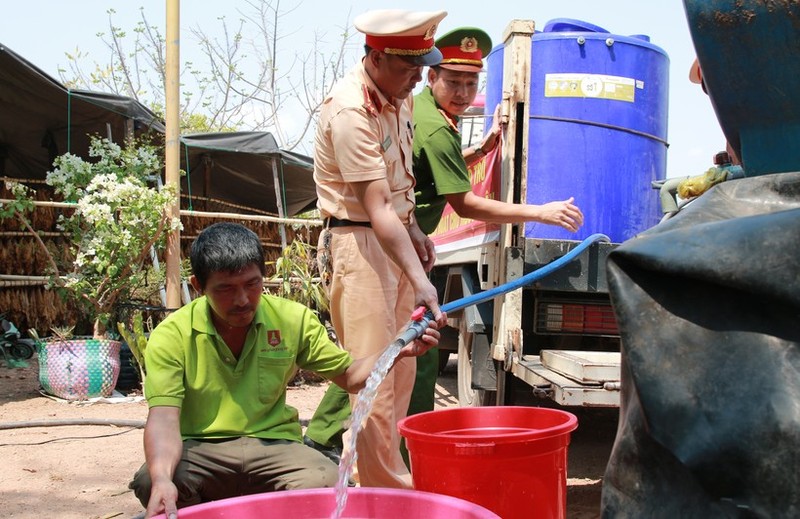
{"x": 82, "y": 471}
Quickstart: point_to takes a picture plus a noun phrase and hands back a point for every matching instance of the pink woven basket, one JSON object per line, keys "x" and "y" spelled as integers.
{"x": 79, "y": 368}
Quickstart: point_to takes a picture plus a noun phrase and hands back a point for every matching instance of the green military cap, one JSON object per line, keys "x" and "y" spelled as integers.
{"x": 463, "y": 49}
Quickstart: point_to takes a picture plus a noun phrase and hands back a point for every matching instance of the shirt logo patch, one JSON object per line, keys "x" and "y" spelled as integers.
{"x": 273, "y": 337}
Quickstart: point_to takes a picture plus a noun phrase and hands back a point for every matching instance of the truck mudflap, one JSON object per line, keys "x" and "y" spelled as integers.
{"x": 572, "y": 378}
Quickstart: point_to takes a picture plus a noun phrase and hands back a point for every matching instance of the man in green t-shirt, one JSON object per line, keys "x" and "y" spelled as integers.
{"x": 218, "y": 425}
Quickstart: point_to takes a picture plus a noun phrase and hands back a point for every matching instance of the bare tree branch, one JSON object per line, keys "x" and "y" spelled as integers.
{"x": 247, "y": 78}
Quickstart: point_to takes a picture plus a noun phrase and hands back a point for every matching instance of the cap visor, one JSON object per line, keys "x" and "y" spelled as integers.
{"x": 434, "y": 57}
{"x": 460, "y": 67}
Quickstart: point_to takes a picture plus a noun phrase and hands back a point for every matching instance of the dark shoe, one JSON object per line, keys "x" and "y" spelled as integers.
{"x": 332, "y": 453}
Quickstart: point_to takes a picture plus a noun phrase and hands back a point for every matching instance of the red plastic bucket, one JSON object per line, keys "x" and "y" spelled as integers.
{"x": 511, "y": 460}
{"x": 320, "y": 503}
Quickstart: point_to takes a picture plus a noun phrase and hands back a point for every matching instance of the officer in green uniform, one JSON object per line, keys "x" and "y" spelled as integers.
{"x": 440, "y": 165}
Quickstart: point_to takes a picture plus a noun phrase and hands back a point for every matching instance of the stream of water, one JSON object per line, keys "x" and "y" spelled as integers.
{"x": 360, "y": 411}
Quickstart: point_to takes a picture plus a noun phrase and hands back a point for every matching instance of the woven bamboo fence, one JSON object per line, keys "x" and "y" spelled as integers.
{"x": 28, "y": 302}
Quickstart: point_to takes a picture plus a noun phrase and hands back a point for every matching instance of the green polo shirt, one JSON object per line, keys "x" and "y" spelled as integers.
{"x": 190, "y": 366}
{"x": 439, "y": 165}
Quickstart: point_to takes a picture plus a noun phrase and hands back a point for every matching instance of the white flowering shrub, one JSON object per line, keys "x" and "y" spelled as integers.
{"x": 119, "y": 216}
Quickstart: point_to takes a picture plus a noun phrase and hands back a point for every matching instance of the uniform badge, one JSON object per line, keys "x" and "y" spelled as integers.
{"x": 273, "y": 337}
{"x": 469, "y": 44}
{"x": 430, "y": 32}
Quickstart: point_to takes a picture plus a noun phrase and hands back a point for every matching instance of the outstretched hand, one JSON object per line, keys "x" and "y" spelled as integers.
{"x": 492, "y": 137}
{"x": 562, "y": 214}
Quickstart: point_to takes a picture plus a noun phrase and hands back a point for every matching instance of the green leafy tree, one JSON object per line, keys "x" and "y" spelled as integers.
{"x": 120, "y": 216}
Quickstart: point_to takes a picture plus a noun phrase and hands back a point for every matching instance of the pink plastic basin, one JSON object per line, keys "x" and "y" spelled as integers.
{"x": 320, "y": 503}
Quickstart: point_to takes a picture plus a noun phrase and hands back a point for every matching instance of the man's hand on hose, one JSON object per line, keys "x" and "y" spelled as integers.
{"x": 427, "y": 296}
{"x": 429, "y": 339}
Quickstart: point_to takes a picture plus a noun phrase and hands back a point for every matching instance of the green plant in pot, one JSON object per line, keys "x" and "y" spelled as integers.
{"x": 296, "y": 277}
{"x": 120, "y": 216}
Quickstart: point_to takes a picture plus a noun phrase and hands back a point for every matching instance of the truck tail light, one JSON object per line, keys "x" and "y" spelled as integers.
{"x": 576, "y": 318}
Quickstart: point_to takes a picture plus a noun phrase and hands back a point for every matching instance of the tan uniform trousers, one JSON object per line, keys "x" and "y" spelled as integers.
{"x": 371, "y": 301}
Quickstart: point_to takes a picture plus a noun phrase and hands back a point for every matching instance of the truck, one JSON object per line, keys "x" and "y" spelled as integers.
{"x": 585, "y": 116}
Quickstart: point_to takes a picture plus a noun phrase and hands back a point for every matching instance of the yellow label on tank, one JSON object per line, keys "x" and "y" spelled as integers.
{"x": 591, "y": 85}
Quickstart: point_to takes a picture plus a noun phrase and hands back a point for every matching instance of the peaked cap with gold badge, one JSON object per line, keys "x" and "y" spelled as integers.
{"x": 463, "y": 49}
{"x": 408, "y": 34}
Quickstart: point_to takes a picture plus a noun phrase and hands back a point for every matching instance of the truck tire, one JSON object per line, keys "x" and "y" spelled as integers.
{"x": 467, "y": 396}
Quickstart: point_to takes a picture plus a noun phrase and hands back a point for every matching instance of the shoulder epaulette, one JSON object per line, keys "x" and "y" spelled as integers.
{"x": 450, "y": 120}
{"x": 372, "y": 104}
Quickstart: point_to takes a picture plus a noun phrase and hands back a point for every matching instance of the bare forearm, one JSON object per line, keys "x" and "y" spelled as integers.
{"x": 162, "y": 449}
{"x": 396, "y": 242}
{"x": 561, "y": 213}
{"x": 390, "y": 232}
{"x": 493, "y": 211}
{"x": 472, "y": 154}
{"x": 355, "y": 377}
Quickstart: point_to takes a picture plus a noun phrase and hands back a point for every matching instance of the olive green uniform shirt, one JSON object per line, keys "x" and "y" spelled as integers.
{"x": 439, "y": 165}
{"x": 190, "y": 366}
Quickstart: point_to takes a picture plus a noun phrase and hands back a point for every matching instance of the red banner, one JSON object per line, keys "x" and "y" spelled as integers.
{"x": 455, "y": 232}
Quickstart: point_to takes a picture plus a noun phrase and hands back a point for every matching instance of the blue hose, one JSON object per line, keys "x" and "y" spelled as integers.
{"x": 417, "y": 327}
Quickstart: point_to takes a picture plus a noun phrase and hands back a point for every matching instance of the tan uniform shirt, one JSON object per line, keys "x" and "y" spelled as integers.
{"x": 361, "y": 136}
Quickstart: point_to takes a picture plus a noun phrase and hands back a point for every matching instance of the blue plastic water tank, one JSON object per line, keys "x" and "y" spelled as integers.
{"x": 598, "y": 126}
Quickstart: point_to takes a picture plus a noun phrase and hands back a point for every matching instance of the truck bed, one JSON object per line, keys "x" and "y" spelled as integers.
{"x": 548, "y": 382}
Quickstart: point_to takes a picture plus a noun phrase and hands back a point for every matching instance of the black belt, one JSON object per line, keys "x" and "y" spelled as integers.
{"x": 332, "y": 222}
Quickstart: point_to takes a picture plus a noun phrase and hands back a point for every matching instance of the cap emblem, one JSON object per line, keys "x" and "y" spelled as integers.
{"x": 469, "y": 44}
{"x": 430, "y": 32}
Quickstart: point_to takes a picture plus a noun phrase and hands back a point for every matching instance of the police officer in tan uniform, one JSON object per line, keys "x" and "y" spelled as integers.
{"x": 374, "y": 257}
